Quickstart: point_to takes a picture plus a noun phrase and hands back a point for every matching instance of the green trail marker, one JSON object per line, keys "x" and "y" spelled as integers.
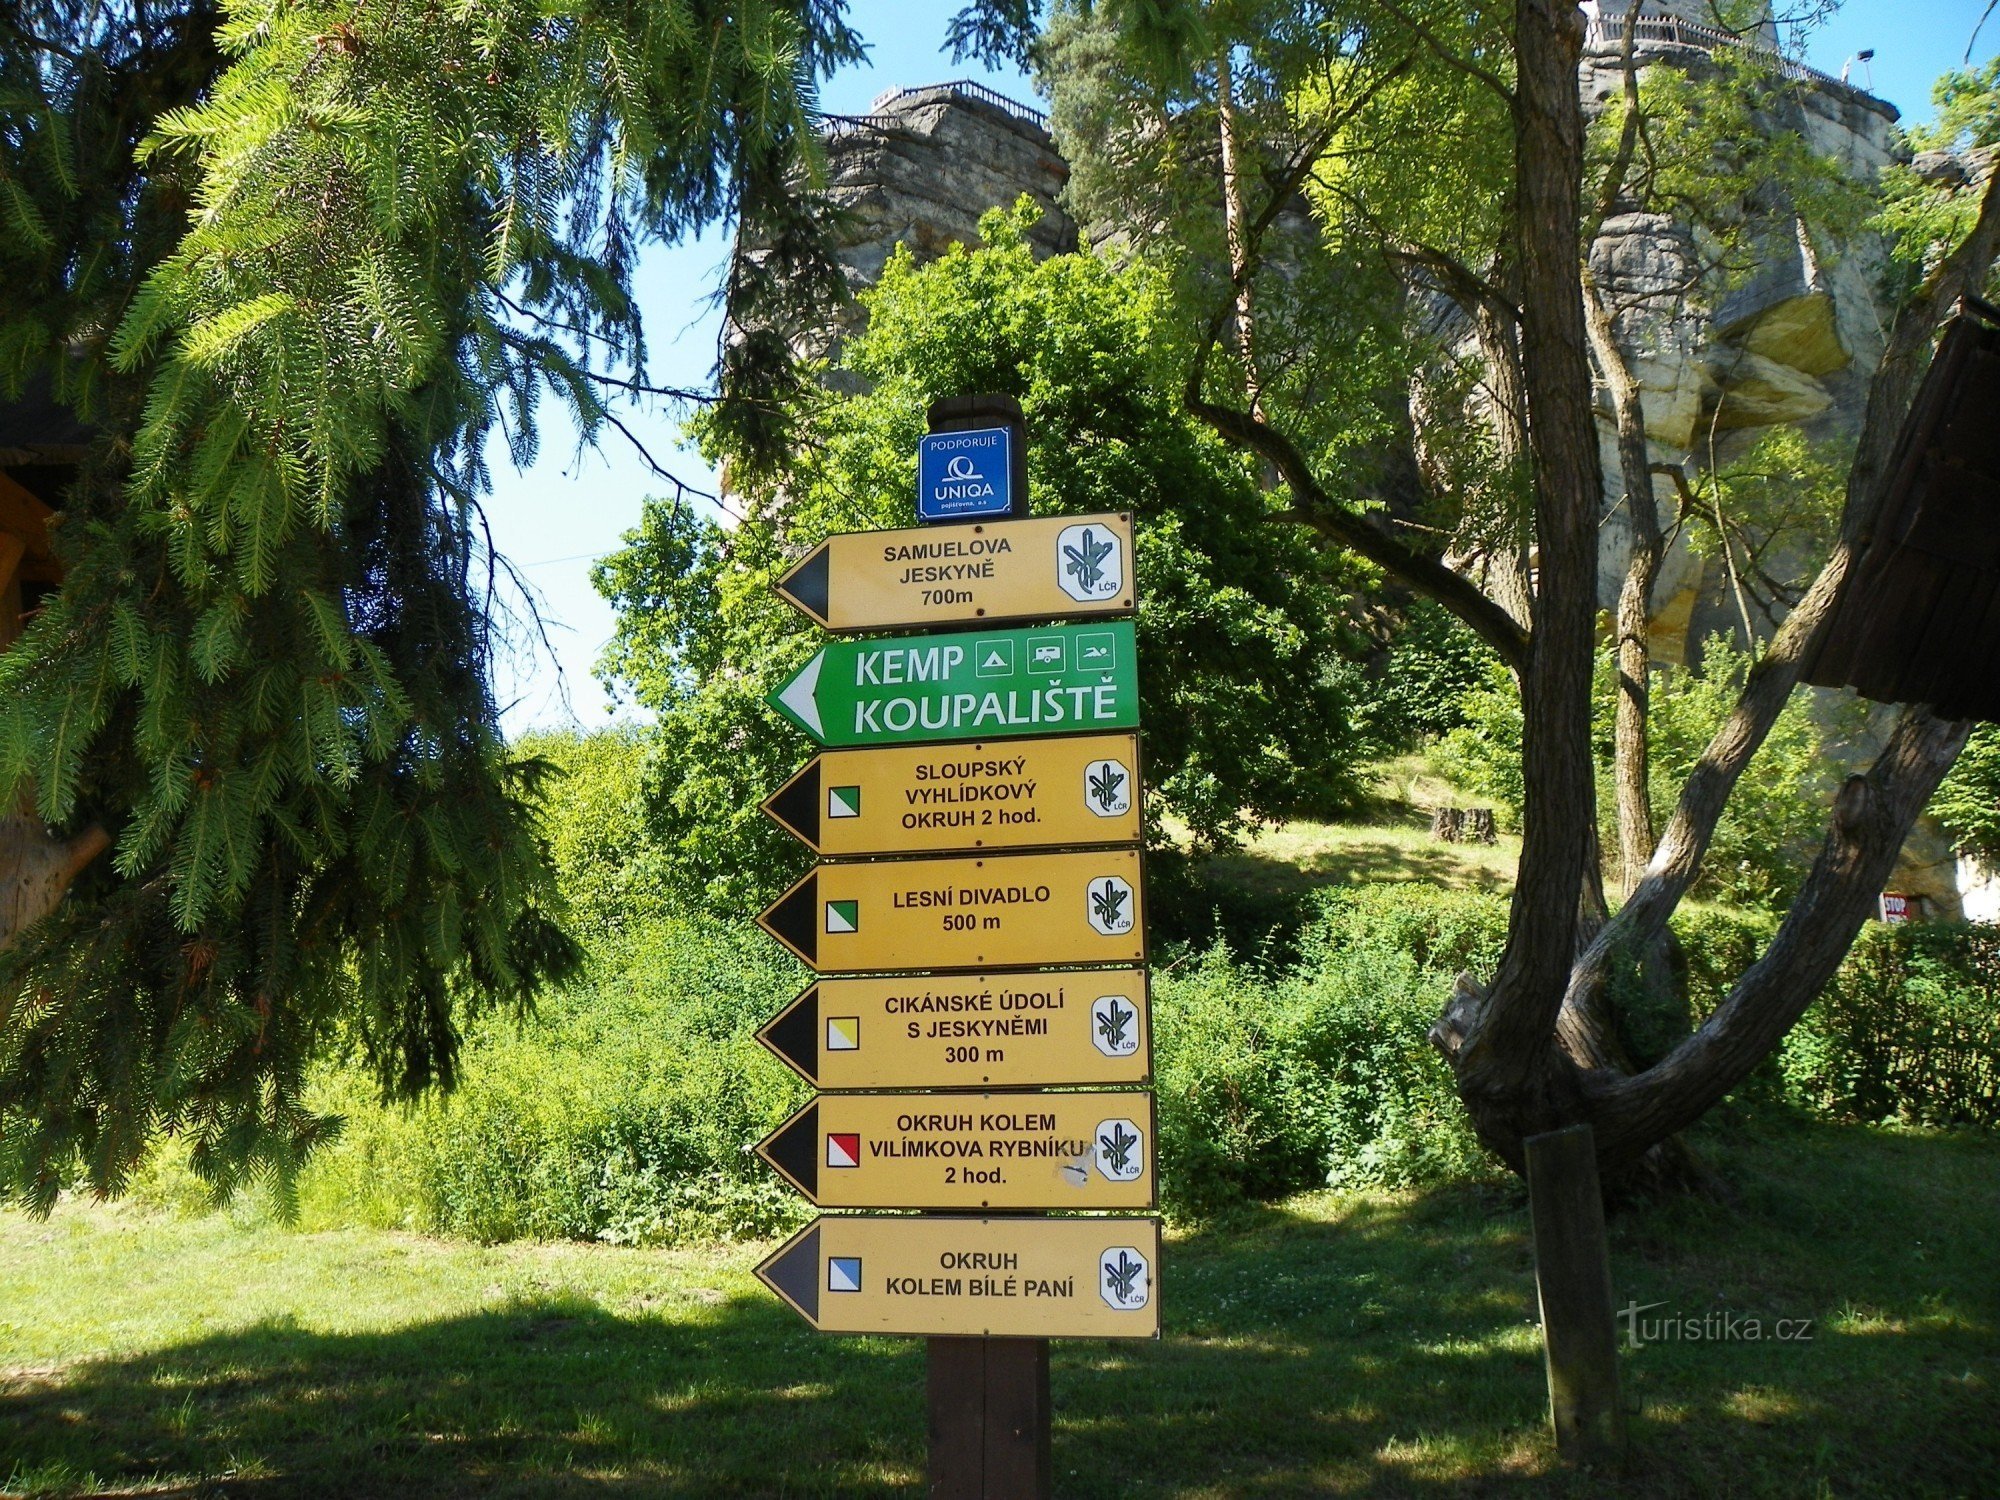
{"x": 986, "y": 684}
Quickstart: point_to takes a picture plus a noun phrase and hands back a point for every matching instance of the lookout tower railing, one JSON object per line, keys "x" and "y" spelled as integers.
{"x": 1672, "y": 31}
{"x": 887, "y": 110}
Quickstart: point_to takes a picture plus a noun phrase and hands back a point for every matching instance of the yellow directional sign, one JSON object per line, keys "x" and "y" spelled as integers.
{"x": 969, "y": 1151}
{"x": 931, "y": 1031}
{"x": 1018, "y": 794}
{"x": 1019, "y": 1278}
{"x": 947, "y": 575}
{"x": 1003, "y": 911}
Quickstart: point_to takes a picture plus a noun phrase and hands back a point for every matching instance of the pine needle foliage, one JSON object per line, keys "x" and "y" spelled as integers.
{"x": 297, "y": 286}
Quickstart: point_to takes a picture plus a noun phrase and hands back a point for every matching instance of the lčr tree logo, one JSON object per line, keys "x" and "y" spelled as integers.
{"x": 1115, "y": 1025}
{"x": 1107, "y": 788}
{"x": 1119, "y": 1154}
{"x": 1111, "y": 906}
{"x": 1091, "y": 565}
{"x": 1124, "y": 1279}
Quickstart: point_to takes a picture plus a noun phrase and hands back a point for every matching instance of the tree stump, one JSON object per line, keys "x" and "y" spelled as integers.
{"x": 1448, "y": 825}
{"x": 1480, "y": 827}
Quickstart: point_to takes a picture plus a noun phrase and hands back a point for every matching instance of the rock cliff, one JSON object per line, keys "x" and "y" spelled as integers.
{"x": 922, "y": 166}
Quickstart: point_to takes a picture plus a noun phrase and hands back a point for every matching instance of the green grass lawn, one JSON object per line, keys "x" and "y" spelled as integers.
{"x": 1388, "y": 840}
{"x": 1377, "y": 1344}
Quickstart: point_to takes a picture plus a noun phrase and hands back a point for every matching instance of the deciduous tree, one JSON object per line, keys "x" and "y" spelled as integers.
{"x": 1450, "y": 144}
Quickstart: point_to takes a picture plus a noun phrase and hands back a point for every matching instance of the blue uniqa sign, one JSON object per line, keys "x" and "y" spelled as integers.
{"x": 965, "y": 474}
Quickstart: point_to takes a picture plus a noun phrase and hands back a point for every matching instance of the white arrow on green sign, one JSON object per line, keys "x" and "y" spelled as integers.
{"x": 1060, "y": 679}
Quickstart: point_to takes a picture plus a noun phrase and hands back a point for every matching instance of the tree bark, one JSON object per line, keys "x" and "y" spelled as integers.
{"x": 37, "y": 869}
{"x": 1872, "y": 817}
{"x": 1509, "y": 1074}
{"x": 1236, "y": 227}
{"x": 1631, "y": 768}
{"x": 1632, "y": 623}
{"x": 1499, "y": 538}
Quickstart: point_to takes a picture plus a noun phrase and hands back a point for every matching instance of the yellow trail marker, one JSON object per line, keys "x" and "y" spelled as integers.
{"x": 1019, "y": 794}
{"x": 1002, "y": 911}
{"x": 932, "y": 1031}
{"x": 969, "y": 1151}
{"x": 1042, "y": 569}
{"x": 1019, "y": 1278}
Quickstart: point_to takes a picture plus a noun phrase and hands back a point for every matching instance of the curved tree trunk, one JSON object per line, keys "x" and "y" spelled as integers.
{"x": 37, "y": 870}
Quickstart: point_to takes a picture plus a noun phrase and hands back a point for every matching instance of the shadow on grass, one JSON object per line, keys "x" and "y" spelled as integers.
{"x": 1359, "y": 860}
{"x": 1379, "y": 1345}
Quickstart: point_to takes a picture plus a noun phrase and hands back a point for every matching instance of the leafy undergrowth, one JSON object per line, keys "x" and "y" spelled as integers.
{"x": 1363, "y": 1343}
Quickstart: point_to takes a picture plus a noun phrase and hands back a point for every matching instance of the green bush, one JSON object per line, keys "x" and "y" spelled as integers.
{"x": 1438, "y": 928}
{"x": 1233, "y": 1121}
{"x": 1383, "y": 1099}
{"x": 593, "y": 815}
{"x": 1416, "y": 690}
{"x": 1322, "y": 1073}
{"x": 622, "y": 1113}
{"x": 1909, "y": 1030}
{"x": 1717, "y": 943}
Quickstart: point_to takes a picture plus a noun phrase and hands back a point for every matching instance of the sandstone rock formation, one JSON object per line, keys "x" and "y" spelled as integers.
{"x": 1793, "y": 345}
{"x": 922, "y": 166}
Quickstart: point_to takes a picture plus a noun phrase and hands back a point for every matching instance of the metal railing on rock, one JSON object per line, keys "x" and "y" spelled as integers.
{"x": 1609, "y": 31}
{"x": 885, "y": 113}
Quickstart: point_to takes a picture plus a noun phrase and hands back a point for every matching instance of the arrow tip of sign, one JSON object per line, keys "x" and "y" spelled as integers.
{"x": 793, "y": 1035}
{"x": 798, "y": 697}
{"x": 795, "y": 806}
{"x": 792, "y": 1271}
{"x": 793, "y": 1150}
{"x": 806, "y": 587}
{"x": 793, "y": 920}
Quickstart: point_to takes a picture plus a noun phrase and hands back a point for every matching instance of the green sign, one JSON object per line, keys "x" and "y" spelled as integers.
{"x": 973, "y": 686}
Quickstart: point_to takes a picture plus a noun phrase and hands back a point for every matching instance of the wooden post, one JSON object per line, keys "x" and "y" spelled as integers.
{"x": 1573, "y": 1282}
{"x": 989, "y": 1398}
{"x": 989, "y": 1419}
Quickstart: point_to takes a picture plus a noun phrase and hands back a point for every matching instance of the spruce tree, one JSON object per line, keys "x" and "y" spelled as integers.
{"x": 294, "y": 261}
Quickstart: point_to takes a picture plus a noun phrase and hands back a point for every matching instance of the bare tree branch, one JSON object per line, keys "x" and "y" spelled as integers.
{"x": 1348, "y": 529}
{"x": 1449, "y": 58}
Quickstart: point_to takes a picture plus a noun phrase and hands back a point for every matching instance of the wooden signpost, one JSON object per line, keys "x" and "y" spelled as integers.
{"x": 1000, "y": 945}
{"x": 946, "y": 1031}
{"x": 1013, "y": 794}
{"x": 969, "y": 1151}
{"x": 1008, "y": 570}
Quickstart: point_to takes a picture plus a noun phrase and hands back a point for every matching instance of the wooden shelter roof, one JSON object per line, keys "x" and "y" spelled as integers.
{"x": 1918, "y": 620}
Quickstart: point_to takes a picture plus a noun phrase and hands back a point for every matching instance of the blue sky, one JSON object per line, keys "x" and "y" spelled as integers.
{"x": 554, "y": 519}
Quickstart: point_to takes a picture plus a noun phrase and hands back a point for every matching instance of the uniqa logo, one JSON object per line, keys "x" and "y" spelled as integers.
{"x": 961, "y": 481}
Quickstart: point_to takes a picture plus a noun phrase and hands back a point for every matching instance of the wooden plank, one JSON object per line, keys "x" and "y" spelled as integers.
{"x": 1018, "y": 1452}
{"x": 1573, "y": 1283}
{"x": 12, "y": 549}
{"x": 955, "y": 1391}
{"x": 989, "y": 1419}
